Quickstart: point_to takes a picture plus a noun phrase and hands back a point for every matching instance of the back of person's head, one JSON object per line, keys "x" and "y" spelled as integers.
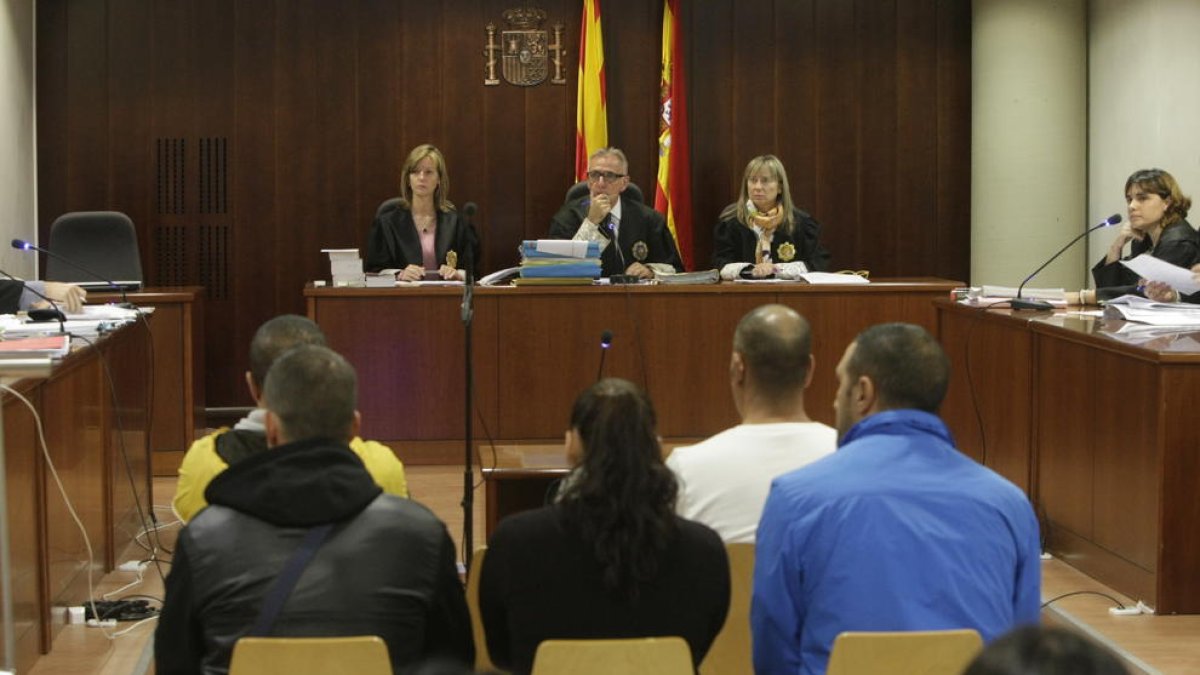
{"x": 623, "y": 497}
{"x": 277, "y": 336}
{"x": 312, "y": 391}
{"x": 1163, "y": 184}
{"x": 775, "y": 343}
{"x": 1039, "y": 650}
{"x": 905, "y": 363}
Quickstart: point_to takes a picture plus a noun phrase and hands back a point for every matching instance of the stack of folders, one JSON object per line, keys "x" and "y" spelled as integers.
{"x": 559, "y": 262}
{"x": 54, "y": 346}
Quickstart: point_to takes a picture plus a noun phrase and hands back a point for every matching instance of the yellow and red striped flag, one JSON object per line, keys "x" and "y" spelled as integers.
{"x": 673, "y": 194}
{"x": 591, "y": 114}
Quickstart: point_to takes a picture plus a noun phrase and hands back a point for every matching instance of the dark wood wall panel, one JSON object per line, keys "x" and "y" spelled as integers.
{"x": 287, "y": 122}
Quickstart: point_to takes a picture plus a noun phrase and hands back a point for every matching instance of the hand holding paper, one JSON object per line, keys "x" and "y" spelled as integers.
{"x": 1153, "y": 269}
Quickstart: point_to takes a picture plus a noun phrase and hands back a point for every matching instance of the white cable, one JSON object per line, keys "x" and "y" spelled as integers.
{"x": 125, "y": 631}
{"x": 126, "y": 587}
{"x": 87, "y": 543}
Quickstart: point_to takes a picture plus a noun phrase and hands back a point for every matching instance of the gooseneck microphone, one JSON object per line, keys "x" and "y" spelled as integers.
{"x": 1041, "y": 305}
{"x": 605, "y": 343}
{"x": 22, "y": 245}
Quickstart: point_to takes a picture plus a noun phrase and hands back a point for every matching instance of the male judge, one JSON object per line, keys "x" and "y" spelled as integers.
{"x": 607, "y": 214}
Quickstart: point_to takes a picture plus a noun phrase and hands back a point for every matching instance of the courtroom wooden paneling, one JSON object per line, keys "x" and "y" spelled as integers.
{"x": 536, "y": 348}
{"x": 78, "y": 407}
{"x": 1113, "y": 443}
{"x": 24, "y": 485}
{"x": 176, "y": 359}
{"x": 408, "y": 349}
{"x": 992, "y": 370}
{"x": 242, "y": 137}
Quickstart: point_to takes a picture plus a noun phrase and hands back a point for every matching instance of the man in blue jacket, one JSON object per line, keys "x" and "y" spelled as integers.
{"x": 895, "y": 531}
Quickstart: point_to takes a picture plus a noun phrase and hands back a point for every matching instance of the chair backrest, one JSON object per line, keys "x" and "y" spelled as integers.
{"x": 483, "y": 660}
{"x": 103, "y": 242}
{"x": 386, "y": 205}
{"x": 362, "y": 655}
{"x": 730, "y": 653}
{"x": 939, "y": 652}
{"x": 662, "y": 656}
{"x": 581, "y": 188}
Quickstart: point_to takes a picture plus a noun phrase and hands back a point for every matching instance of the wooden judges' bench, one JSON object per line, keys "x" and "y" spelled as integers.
{"x": 1094, "y": 420}
{"x": 97, "y": 438}
{"x": 536, "y": 348}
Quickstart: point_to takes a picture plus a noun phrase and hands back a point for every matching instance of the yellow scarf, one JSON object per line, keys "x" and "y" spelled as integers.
{"x": 766, "y": 223}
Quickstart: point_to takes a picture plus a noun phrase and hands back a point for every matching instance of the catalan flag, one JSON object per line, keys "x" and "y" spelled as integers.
{"x": 591, "y": 115}
{"x": 673, "y": 194}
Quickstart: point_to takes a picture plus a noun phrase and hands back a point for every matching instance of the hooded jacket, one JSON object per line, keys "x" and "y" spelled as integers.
{"x": 386, "y": 569}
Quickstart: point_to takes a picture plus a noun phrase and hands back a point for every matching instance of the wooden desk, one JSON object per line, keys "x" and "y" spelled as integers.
{"x": 1097, "y": 427}
{"x": 89, "y": 440}
{"x": 177, "y": 324}
{"x": 536, "y": 348}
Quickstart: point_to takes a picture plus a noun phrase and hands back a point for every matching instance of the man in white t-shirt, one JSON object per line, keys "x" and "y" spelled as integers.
{"x": 723, "y": 481}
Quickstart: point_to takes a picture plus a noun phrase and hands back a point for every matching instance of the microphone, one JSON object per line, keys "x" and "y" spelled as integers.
{"x": 605, "y": 343}
{"x": 1024, "y": 303}
{"x": 22, "y": 245}
{"x": 57, "y": 313}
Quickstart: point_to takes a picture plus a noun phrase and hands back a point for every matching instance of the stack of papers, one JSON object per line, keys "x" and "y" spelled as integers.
{"x": 571, "y": 261}
{"x": 699, "y": 277}
{"x": 345, "y": 266}
{"x": 54, "y": 346}
{"x": 1141, "y": 310}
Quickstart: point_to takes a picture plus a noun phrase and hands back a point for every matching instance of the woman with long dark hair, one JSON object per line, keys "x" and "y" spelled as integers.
{"x": 610, "y": 559}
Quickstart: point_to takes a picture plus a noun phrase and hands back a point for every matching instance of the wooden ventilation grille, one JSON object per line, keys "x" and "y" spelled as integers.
{"x": 214, "y": 260}
{"x": 170, "y": 254}
{"x": 170, "y": 160}
{"x": 214, "y": 175}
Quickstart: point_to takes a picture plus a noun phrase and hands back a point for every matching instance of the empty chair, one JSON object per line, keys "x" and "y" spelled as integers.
{"x": 661, "y": 656}
{"x": 483, "y": 661}
{"x": 936, "y": 652}
{"x": 102, "y": 244}
{"x": 363, "y": 655}
{"x": 731, "y": 653}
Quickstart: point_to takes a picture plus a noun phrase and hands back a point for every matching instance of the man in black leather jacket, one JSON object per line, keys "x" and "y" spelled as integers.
{"x": 387, "y": 567}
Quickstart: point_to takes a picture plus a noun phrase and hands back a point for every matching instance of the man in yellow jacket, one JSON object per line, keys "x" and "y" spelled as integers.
{"x": 215, "y": 452}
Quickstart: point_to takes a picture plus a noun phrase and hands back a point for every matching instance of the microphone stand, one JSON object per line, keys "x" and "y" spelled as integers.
{"x": 1041, "y": 305}
{"x": 468, "y": 315}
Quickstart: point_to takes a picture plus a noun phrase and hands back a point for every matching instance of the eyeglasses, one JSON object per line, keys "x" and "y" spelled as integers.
{"x": 595, "y": 176}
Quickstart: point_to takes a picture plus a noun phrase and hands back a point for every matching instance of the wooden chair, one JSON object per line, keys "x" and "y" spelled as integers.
{"x": 730, "y": 653}
{"x": 483, "y": 660}
{"x": 661, "y": 656}
{"x": 941, "y": 652}
{"x": 362, "y": 655}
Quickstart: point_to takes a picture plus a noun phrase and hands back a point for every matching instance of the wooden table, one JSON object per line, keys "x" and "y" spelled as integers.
{"x": 1095, "y": 423}
{"x": 177, "y": 324}
{"x": 97, "y": 436}
{"x": 536, "y": 348}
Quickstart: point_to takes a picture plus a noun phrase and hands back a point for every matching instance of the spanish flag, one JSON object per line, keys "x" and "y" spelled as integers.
{"x": 591, "y": 115}
{"x": 673, "y": 194}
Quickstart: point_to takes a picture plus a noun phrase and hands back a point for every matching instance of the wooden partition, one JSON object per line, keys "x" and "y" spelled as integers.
{"x": 536, "y": 348}
{"x": 1094, "y": 419}
{"x": 97, "y": 436}
{"x": 177, "y": 357}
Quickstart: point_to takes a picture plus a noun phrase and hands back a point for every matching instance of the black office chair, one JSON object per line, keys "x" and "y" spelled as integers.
{"x": 389, "y": 204}
{"x": 102, "y": 242}
{"x": 581, "y": 188}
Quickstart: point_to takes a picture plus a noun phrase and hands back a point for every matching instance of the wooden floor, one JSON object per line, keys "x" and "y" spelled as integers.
{"x": 1149, "y": 644}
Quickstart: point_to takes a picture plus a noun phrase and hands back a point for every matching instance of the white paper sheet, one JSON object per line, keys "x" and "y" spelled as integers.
{"x": 1151, "y": 268}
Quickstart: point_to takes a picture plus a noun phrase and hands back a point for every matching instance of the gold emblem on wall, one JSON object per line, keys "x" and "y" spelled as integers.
{"x": 525, "y": 51}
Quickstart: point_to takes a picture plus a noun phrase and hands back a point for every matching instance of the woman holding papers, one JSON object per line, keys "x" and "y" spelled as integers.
{"x": 763, "y": 233}
{"x": 610, "y": 559}
{"x": 423, "y": 235}
{"x": 1157, "y": 225}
